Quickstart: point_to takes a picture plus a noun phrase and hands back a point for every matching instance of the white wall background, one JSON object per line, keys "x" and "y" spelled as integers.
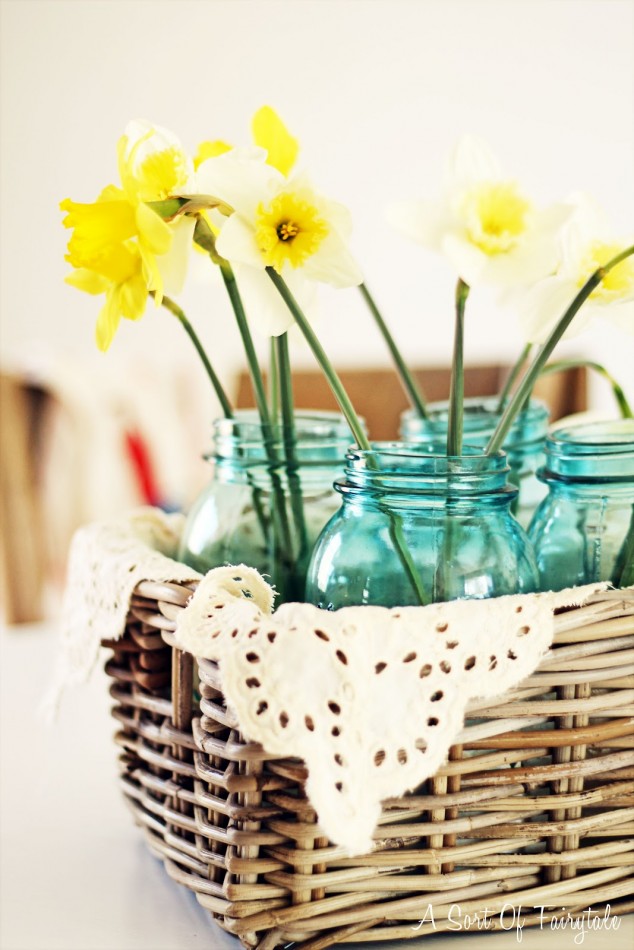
{"x": 377, "y": 93}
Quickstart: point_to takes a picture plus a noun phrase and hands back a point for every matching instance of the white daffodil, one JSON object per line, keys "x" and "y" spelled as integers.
{"x": 484, "y": 224}
{"x": 153, "y": 166}
{"x": 277, "y": 222}
{"x": 586, "y": 244}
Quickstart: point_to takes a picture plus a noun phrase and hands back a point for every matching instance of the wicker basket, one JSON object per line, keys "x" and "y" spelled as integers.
{"x": 536, "y": 812}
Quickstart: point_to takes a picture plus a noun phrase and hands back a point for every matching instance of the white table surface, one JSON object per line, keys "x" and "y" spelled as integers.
{"x": 75, "y": 874}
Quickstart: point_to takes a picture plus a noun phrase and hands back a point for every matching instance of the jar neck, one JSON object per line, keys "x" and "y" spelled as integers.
{"x": 395, "y": 471}
{"x": 591, "y": 454}
{"x": 481, "y": 415}
{"x": 317, "y": 438}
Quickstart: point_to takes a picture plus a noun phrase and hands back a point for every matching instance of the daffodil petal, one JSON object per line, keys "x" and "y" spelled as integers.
{"x": 542, "y": 306}
{"x": 270, "y": 133}
{"x": 173, "y": 265}
{"x": 333, "y": 264}
{"x": 525, "y": 264}
{"x": 622, "y": 314}
{"x": 154, "y": 232}
{"x": 469, "y": 261}
{"x": 241, "y": 178}
{"x": 236, "y": 243}
{"x": 133, "y": 298}
{"x": 267, "y": 312}
{"x": 338, "y": 216}
{"x": 108, "y": 320}
{"x": 422, "y": 221}
{"x": 472, "y": 161}
{"x": 152, "y": 274}
{"x": 210, "y": 150}
{"x": 87, "y": 281}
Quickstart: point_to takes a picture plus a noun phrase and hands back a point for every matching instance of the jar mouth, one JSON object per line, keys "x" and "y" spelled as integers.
{"x": 317, "y": 436}
{"x": 402, "y": 466}
{"x": 592, "y": 451}
{"x": 481, "y": 415}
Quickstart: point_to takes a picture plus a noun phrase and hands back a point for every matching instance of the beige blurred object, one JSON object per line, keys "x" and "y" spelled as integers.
{"x": 377, "y": 395}
{"x": 22, "y": 549}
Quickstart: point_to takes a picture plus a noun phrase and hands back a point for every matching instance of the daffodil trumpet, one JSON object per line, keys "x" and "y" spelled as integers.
{"x": 525, "y": 388}
{"x": 408, "y": 382}
{"x": 617, "y": 390}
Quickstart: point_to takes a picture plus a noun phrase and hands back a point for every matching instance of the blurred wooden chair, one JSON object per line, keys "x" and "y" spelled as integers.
{"x": 376, "y": 393}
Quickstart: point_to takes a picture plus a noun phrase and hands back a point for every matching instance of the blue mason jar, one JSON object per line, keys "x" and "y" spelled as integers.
{"x": 524, "y": 443}
{"x": 583, "y": 530}
{"x": 445, "y": 520}
{"x": 270, "y": 494}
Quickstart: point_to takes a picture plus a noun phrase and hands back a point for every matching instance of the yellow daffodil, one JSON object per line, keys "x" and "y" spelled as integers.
{"x": 119, "y": 245}
{"x": 586, "y": 244}
{"x": 153, "y": 166}
{"x": 118, "y": 273}
{"x": 488, "y": 229}
{"x": 281, "y": 223}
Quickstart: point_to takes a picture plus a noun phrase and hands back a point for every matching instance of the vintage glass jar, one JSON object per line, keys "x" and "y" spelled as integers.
{"x": 583, "y": 531}
{"x": 448, "y": 517}
{"x": 524, "y": 444}
{"x": 268, "y": 498}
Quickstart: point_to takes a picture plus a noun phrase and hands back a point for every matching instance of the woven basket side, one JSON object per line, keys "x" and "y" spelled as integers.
{"x": 535, "y": 804}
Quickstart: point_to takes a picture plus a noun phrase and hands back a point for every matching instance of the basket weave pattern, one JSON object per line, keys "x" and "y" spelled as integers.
{"x": 535, "y": 806}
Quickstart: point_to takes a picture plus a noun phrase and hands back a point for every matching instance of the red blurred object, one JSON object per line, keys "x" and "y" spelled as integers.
{"x": 137, "y": 451}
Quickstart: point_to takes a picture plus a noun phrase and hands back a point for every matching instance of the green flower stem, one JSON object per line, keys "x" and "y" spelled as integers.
{"x": 274, "y": 382}
{"x": 403, "y": 551}
{"x": 617, "y": 390}
{"x": 528, "y": 381}
{"x": 215, "y": 382}
{"x": 319, "y": 353}
{"x": 352, "y": 419}
{"x": 456, "y": 389}
{"x": 288, "y": 421}
{"x": 247, "y": 341}
{"x": 512, "y": 377}
{"x": 409, "y": 384}
{"x": 280, "y": 517}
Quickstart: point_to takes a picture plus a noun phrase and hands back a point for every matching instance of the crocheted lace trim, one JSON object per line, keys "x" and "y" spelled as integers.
{"x": 107, "y": 560}
{"x": 370, "y": 698}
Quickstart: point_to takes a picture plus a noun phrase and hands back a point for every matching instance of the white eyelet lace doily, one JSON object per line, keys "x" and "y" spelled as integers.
{"x": 369, "y": 698}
